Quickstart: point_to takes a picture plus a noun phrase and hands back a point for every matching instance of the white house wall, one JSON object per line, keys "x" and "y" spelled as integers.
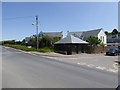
{"x": 102, "y": 33}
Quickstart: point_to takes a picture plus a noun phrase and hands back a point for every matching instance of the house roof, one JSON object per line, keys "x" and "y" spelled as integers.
{"x": 76, "y": 34}
{"x": 113, "y": 38}
{"x": 71, "y": 39}
{"x": 54, "y": 34}
{"x": 85, "y": 34}
{"x": 91, "y": 33}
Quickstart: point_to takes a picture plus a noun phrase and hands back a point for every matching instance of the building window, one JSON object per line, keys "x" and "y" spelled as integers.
{"x": 103, "y": 38}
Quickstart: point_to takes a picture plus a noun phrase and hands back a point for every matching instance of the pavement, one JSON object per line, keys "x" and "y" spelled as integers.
{"x": 26, "y": 70}
{"x": 99, "y": 61}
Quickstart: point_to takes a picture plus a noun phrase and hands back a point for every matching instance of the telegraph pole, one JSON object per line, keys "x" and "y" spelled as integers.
{"x": 37, "y": 32}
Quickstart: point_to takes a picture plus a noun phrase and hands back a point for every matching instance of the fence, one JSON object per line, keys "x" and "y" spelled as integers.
{"x": 94, "y": 49}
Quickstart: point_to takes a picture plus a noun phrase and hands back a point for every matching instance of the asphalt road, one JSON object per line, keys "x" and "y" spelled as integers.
{"x": 23, "y": 70}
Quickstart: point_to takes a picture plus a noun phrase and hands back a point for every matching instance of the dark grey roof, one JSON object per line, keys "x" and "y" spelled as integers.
{"x": 91, "y": 33}
{"x": 76, "y": 34}
{"x": 71, "y": 39}
{"x": 85, "y": 34}
{"x": 113, "y": 38}
{"x": 53, "y": 34}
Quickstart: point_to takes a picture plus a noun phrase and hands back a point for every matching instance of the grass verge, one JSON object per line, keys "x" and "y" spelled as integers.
{"x": 25, "y": 48}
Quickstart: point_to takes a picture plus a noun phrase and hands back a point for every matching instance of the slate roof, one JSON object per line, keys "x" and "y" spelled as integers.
{"x": 51, "y": 34}
{"x": 113, "y": 38}
{"x": 76, "y": 34}
{"x": 71, "y": 39}
{"x": 85, "y": 34}
{"x": 91, "y": 33}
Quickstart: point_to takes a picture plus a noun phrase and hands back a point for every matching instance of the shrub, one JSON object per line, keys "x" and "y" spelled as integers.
{"x": 93, "y": 40}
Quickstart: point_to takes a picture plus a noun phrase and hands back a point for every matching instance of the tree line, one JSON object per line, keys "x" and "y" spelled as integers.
{"x": 45, "y": 41}
{"x": 114, "y": 32}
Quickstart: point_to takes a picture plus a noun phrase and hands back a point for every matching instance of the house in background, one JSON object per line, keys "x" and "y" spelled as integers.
{"x": 98, "y": 33}
{"x": 113, "y": 40}
{"x": 51, "y": 34}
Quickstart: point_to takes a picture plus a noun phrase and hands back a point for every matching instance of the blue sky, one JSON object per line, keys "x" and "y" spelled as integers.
{"x": 17, "y": 18}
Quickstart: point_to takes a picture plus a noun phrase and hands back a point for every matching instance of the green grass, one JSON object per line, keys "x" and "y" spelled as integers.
{"x": 21, "y": 47}
{"x": 0, "y": 43}
{"x": 45, "y": 49}
{"x": 25, "y": 48}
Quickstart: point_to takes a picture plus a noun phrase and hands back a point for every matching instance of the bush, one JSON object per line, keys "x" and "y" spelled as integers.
{"x": 45, "y": 49}
{"x": 0, "y": 43}
{"x": 44, "y": 41}
{"x": 93, "y": 40}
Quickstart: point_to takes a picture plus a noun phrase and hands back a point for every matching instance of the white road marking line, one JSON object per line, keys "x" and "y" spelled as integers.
{"x": 90, "y": 65}
{"x": 112, "y": 70}
{"x": 48, "y": 57}
{"x": 81, "y": 63}
{"x": 101, "y": 68}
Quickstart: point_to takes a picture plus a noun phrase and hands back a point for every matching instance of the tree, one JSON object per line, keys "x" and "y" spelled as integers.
{"x": 93, "y": 40}
{"x": 114, "y": 32}
{"x": 106, "y": 32}
{"x": 23, "y": 40}
{"x": 46, "y": 41}
{"x": 55, "y": 39}
{"x": 33, "y": 40}
{"x": 102, "y": 44}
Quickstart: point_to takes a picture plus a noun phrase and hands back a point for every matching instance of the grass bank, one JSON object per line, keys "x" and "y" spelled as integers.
{"x": 25, "y": 48}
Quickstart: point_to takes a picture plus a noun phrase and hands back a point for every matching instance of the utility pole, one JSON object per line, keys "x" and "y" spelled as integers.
{"x": 37, "y": 32}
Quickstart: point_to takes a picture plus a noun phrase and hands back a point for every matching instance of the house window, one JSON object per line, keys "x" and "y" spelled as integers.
{"x": 103, "y": 38}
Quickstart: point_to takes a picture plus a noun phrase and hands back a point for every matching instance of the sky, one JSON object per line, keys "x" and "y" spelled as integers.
{"x": 17, "y": 17}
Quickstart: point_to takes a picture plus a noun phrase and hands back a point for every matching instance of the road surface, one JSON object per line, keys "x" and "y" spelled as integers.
{"x": 23, "y": 70}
